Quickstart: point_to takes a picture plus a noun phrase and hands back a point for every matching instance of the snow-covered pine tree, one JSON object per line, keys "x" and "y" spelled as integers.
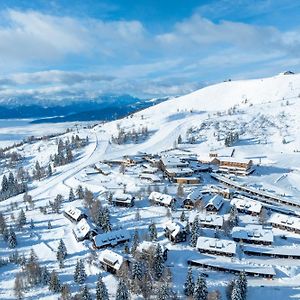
{"x": 54, "y": 283}
{"x": 80, "y": 275}
{"x": 65, "y": 292}
{"x": 2, "y": 223}
{"x": 80, "y": 192}
{"x": 71, "y": 195}
{"x": 182, "y": 217}
{"x": 189, "y": 284}
{"x": 158, "y": 262}
{"x": 49, "y": 225}
{"x": 163, "y": 292}
{"x": 200, "y": 290}
{"x": 195, "y": 232}
{"x": 85, "y": 294}
{"x": 135, "y": 242}
{"x": 11, "y": 239}
{"x": 152, "y": 232}
{"x": 21, "y": 221}
{"x": 45, "y": 276}
{"x": 49, "y": 170}
{"x": 122, "y": 291}
{"x": 137, "y": 271}
{"x": 4, "y": 184}
{"x": 61, "y": 253}
{"x": 236, "y": 293}
{"x": 101, "y": 290}
{"x": 243, "y": 284}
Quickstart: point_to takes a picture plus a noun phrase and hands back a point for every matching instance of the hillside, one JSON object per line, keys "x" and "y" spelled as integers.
{"x": 254, "y": 120}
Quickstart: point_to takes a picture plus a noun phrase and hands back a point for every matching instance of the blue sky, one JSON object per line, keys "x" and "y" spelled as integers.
{"x": 147, "y": 48}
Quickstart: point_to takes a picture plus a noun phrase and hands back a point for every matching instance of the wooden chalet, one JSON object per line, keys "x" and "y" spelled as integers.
{"x": 252, "y": 234}
{"x": 207, "y": 220}
{"x": 187, "y": 180}
{"x": 284, "y": 222}
{"x": 192, "y": 198}
{"x": 247, "y": 205}
{"x": 214, "y": 204}
{"x": 74, "y": 214}
{"x": 111, "y": 238}
{"x": 124, "y": 200}
{"x": 216, "y": 246}
{"x": 273, "y": 252}
{"x": 84, "y": 230}
{"x": 161, "y": 199}
{"x": 232, "y": 165}
{"x": 150, "y": 177}
{"x": 111, "y": 261}
{"x": 175, "y": 232}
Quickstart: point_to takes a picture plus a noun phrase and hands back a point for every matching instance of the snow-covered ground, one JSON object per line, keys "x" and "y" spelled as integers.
{"x": 265, "y": 114}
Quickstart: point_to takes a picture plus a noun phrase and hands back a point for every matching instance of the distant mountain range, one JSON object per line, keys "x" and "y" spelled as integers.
{"x": 102, "y": 108}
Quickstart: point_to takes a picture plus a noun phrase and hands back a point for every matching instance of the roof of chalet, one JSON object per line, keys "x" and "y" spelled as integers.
{"x": 152, "y": 177}
{"x": 122, "y": 197}
{"x": 206, "y": 219}
{"x": 73, "y": 212}
{"x": 253, "y": 233}
{"x": 216, "y": 201}
{"x": 246, "y": 204}
{"x": 174, "y": 228}
{"x": 195, "y": 195}
{"x": 161, "y": 198}
{"x": 83, "y": 228}
{"x": 286, "y": 251}
{"x": 172, "y": 161}
{"x": 214, "y": 244}
{"x": 284, "y": 220}
{"x": 111, "y": 238}
{"x": 111, "y": 258}
{"x": 147, "y": 245}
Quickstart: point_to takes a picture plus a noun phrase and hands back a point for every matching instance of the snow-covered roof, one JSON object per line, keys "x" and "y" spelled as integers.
{"x": 218, "y": 245}
{"x": 122, "y": 197}
{"x": 216, "y": 201}
{"x": 161, "y": 198}
{"x": 253, "y": 233}
{"x": 195, "y": 195}
{"x": 174, "y": 228}
{"x": 111, "y": 238}
{"x": 284, "y": 220}
{"x": 111, "y": 258}
{"x": 83, "y": 228}
{"x": 151, "y": 177}
{"x": 280, "y": 251}
{"x": 238, "y": 267}
{"x": 145, "y": 246}
{"x": 73, "y": 212}
{"x": 173, "y": 161}
{"x": 149, "y": 169}
{"x": 234, "y": 160}
{"x": 206, "y": 219}
{"x": 104, "y": 168}
{"x": 90, "y": 171}
{"x": 179, "y": 171}
{"x": 247, "y": 204}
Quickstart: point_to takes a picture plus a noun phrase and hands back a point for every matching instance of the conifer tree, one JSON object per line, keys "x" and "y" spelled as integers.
{"x": 200, "y": 291}
{"x": 189, "y": 284}
{"x": 49, "y": 225}
{"x": 54, "y": 283}
{"x": 21, "y": 221}
{"x": 12, "y": 239}
{"x": 101, "y": 290}
{"x": 61, "y": 253}
{"x": 45, "y": 276}
{"x": 80, "y": 192}
{"x": 137, "y": 271}
{"x": 71, "y": 195}
{"x": 182, "y": 217}
{"x": 122, "y": 291}
{"x": 158, "y": 262}
{"x": 195, "y": 232}
{"x": 80, "y": 275}
{"x": 152, "y": 232}
{"x": 135, "y": 242}
{"x": 85, "y": 294}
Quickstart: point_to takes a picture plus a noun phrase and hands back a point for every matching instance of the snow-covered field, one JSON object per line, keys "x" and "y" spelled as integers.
{"x": 265, "y": 114}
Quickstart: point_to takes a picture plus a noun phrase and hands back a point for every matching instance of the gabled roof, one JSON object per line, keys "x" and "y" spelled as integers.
{"x": 161, "y": 198}
{"x": 111, "y": 258}
{"x": 253, "y": 233}
{"x": 218, "y": 245}
{"x": 247, "y": 204}
{"x": 83, "y": 228}
{"x": 195, "y": 195}
{"x": 122, "y": 197}
{"x": 73, "y": 212}
{"x": 174, "y": 228}
{"x": 147, "y": 245}
{"x": 216, "y": 201}
{"x": 206, "y": 219}
{"x": 284, "y": 220}
{"x": 111, "y": 238}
